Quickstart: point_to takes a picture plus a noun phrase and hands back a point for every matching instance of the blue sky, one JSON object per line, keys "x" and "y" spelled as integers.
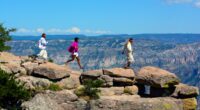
{"x": 93, "y": 17}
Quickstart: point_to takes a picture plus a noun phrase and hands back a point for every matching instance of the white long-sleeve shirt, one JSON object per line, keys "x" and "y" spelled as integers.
{"x": 128, "y": 47}
{"x": 42, "y": 43}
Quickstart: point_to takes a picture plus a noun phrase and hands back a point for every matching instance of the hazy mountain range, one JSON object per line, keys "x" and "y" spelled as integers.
{"x": 178, "y": 53}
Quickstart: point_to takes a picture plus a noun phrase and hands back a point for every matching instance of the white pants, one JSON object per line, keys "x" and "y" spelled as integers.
{"x": 43, "y": 54}
{"x": 130, "y": 57}
{"x": 76, "y": 54}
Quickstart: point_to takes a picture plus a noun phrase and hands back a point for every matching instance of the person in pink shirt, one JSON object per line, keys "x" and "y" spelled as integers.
{"x": 73, "y": 49}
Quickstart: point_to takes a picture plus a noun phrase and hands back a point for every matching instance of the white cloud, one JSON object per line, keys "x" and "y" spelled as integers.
{"x": 197, "y": 4}
{"x": 23, "y": 30}
{"x": 54, "y": 30}
{"x": 88, "y": 31}
{"x": 179, "y": 1}
{"x": 40, "y": 30}
{"x": 75, "y": 30}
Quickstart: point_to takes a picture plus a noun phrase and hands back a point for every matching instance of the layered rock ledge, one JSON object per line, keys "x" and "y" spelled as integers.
{"x": 151, "y": 88}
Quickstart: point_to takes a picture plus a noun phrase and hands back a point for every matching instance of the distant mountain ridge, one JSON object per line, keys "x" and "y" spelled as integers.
{"x": 177, "y": 38}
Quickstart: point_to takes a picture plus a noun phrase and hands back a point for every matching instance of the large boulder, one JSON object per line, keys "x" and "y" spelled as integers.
{"x": 29, "y": 66}
{"x": 11, "y": 63}
{"x": 15, "y": 68}
{"x": 62, "y": 96}
{"x": 33, "y": 83}
{"x": 61, "y": 100}
{"x": 156, "y": 77}
{"x": 71, "y": 82}
{"x": 51, "y": 71}
{"x": 119, "y": 72}
{"x": 185, "y": 91}
{"x": 132, "y": 90}
{"x": 135, "y": 103}
{"x": 111, "y": 77}
{"x": 107, "y": 80}
{"x": 41, "y": 102}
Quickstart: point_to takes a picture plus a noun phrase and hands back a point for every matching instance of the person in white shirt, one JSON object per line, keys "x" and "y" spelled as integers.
{"x": 42, "y": 46}
{"x": 129, "y": 52}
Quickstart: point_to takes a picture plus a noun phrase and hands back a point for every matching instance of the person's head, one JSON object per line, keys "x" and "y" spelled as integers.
{"x": 76, "y": 39}
{"x": 43, "y": 35}
{"x": 130, "y": 40}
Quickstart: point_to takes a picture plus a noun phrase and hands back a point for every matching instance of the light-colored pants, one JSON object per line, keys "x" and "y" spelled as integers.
{"x": 43, "y": 54}
{"x": 130, "y": 57}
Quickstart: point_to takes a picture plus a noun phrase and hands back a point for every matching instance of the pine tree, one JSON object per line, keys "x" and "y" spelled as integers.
{"x": 4, "y": 37}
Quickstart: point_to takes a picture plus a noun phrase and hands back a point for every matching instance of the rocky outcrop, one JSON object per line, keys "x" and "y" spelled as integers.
{"x": 37, "y": 73}
{"x": 136, "y": 103}
{"x": 41, "y": 102}
{"x": 156, "y": 77}
{"x": 119, "y": 72}
{"x": 111, "y": 77}
{"x": 62, "y": 100}
{"x": 71, "y": 82}
{"x": 32, "y": 83}
{"x": 29, "y": 66}
{"x": 121, "y": 89}
{"x": 51, "y": 71}
{"x": 184, "y": 91}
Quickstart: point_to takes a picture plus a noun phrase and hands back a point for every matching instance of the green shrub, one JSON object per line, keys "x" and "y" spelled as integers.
{"x": 54, "y": 87}
{"x": 12, "y": 93}
{"x": 50, "y": 60}
{"x": 4, "y": 37}
{"x": 90, "y": 88}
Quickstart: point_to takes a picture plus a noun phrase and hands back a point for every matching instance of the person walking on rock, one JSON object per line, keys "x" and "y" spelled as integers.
{"x": 129, "y": 52}
{"x": 73, "y": 49}
{"x": 42, "y": 46}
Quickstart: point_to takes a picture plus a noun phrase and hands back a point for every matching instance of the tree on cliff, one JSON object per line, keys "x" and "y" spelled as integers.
{"x": 5, "y": 36}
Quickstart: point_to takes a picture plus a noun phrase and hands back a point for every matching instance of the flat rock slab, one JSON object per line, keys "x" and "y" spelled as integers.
{"x": 93, "y": 73}
{"x": 122, "y": 81}
{"x": 185, "y": 91}
{"x": 51, "y": 71}
{"x": 119, "y": 72}
{"x": 111, "y": 91}
{"x": 156, "y": 77}
{"x": 6, "y": 57}
{"x": 136, "y": 103}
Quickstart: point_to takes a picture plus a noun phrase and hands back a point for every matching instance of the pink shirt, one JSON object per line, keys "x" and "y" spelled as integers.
{"x": 75, "y": 45}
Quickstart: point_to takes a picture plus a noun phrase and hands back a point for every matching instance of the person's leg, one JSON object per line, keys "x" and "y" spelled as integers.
{"x": 45, "y": 55}
{"x": 128, "y": 64}
{"x": 79, "y": 63}
{"x": 129, "y": 60}
{"x": 40, "y": 53}
{"x": 72, "y": 59}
